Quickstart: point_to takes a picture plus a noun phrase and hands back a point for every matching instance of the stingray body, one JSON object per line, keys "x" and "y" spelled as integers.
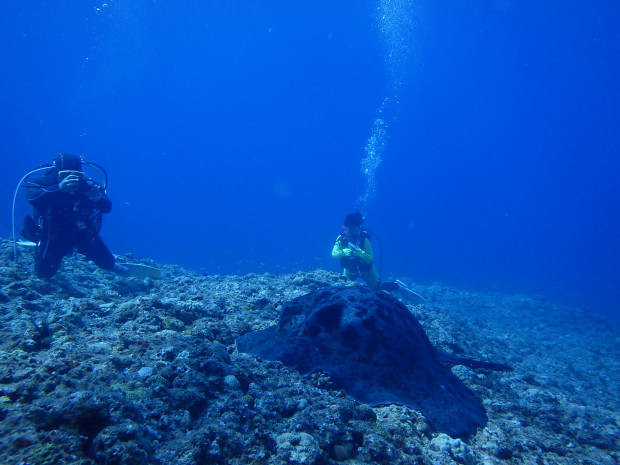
{"x": 372, "y": 346}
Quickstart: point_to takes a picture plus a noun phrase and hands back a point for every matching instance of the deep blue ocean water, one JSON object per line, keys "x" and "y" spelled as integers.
{"x": 479, "y": 138}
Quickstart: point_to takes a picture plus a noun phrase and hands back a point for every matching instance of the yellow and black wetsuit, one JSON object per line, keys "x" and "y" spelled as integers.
{"x": 356, "y": 258}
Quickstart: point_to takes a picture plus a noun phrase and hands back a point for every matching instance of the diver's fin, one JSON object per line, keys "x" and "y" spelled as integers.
{"x": 411, "y": 296}
{"x": 26, "y": 243}
{"x": 138, "y": 270}
{"x": 451, "y": 359}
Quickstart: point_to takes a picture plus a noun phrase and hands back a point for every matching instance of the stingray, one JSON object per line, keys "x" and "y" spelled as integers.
{"x": 373, "y": 347}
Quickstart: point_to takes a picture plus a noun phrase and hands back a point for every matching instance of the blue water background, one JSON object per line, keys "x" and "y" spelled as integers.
{"x": 235, "y": 133}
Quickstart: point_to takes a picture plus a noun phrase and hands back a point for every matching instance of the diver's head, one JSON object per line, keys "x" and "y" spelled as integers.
{"x": 352, "y": 223}
{"x": 353, "y": 220}
{"x": 67, "y": 164}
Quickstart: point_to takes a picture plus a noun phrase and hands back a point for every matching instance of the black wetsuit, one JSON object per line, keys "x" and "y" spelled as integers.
{"x": 67, "y": 222}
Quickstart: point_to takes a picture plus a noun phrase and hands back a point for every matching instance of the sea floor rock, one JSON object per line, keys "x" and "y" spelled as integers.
{"x": 96, "y": 368}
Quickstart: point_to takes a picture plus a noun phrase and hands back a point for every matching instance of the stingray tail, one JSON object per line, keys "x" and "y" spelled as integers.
{"x": 450, "y": 359}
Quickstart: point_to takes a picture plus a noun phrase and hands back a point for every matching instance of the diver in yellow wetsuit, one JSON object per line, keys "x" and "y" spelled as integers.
{"x": 354, "y": 251}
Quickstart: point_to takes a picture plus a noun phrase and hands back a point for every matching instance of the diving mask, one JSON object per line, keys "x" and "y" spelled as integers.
{"x": 64, "y": 173}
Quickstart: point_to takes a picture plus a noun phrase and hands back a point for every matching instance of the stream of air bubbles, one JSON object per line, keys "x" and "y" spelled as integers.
{"x": 394, "y": 18}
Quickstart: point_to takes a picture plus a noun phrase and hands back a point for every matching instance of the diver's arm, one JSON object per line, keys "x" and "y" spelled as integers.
{"x": 338, "y": 251}
{"x": 98, "y": 196}
{"x": 104, "y": 204}
{"x": 365, "y": 254}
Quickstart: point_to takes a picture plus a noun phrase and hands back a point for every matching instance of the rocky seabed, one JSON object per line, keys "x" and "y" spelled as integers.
{"x": 96, "y": 368}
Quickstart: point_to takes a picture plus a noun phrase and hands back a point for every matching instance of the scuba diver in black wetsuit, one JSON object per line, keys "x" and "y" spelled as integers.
{"x": 67, "y": 212}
